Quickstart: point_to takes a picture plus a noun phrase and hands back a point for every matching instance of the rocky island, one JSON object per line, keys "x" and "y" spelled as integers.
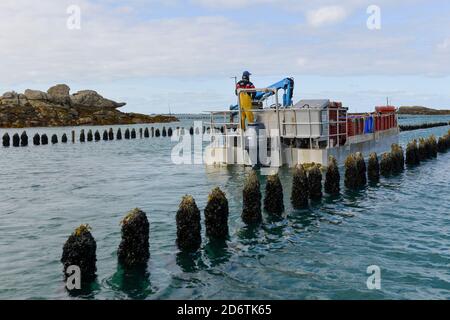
{"x": 418, "y": 110}
{"x": 57, "y": 107}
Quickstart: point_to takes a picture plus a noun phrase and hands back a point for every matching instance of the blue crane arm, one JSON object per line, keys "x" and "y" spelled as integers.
{"x": 286, "y": 84}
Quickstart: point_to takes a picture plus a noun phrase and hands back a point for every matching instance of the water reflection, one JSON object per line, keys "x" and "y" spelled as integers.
{"x": 190, "y": 262}
{"x": 87, "y": 291}
{"x": 217, "y": 252}
{"x": 135, "y": 283}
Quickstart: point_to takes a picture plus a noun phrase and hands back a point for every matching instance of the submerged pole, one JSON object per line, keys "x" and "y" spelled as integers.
{"x": 16, "y": 140}
{"x": 351, "y": 172}
{"x": 44, "y": 139}
{"x": 73, "y": 136}
{"x": 133, "y": 133}
{"x": 386, "y": 164}
{"x": 216, "y": 215}
{"x": 373, "y": 168}
{"x": 398, "y": 158}
{"x": 361, "y": 170}
{"x": 90, "y": 136}
{"x": 37, "y": 139}
{"x": 80, "y": 250}
{"x": 251, "y": 212}
{"x": 64, "y": 138}
{"x": 157, "y": 133}
{"x": 105, "y": 135}
{"x": 423, "y": 153}
{"x": 146, "y": 133}
{"x": 140, "y": 133}
{"x": 332, "y": 177}
{"x": 433, "y": 146}
{"x": 6, "y": 140}
{"x": 412, "y": 153}
{"x": 300, "y": 188}
{"x": 24, "y": 139}
{"x": 273, "y": 199}
{"x": 54, "y": 139}
{"x": 315, "y": 182}
{"x": 134, "y": 249}
{"x": 188, "y": 225}
{"x": 127, "y": 134}
{"x": 97, "y": 135}
{"x": 82, "y": 136}
{"x": 111, "y": 134}
{"x": 119, "y": 134}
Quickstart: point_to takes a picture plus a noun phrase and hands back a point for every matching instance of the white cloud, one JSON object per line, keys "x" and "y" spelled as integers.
{"x": 326, "y": 16}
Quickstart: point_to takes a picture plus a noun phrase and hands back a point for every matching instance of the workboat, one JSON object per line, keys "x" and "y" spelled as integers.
{"x": 257, "y": 133}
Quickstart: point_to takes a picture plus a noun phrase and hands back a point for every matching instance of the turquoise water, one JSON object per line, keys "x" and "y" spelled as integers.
{"x": 401, "y": 224}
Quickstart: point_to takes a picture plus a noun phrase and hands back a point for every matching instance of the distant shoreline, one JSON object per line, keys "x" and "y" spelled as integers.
{"x": 58, "y": 108}
{"x": 418, "y": 110}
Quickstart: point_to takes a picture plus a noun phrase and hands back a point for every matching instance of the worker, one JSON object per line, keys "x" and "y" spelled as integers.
{"x": 246, "y": 98}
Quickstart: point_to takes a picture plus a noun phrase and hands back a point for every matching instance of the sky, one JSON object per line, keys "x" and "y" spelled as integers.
{"x": 182, "y": 54}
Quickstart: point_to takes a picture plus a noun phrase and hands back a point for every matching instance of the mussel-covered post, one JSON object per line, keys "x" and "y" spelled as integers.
{"x": 251, "y": 212}
{"x": 315, "y": 182}
{"x": 44, "y": 139}
{"x": 216, "y": 215}
{"x": 24, "y": 139}
{"x": 188, "y": 218}
{"x": 423, "y": 149}
{"x": 90, "y": 136}
{"x": 442, "y": 145}
{"x": 432, "y": 142}
{"x": 361, "y": 168}
{"x": 80, "y": 251}
{"x": 6, "y": 140}
{"x": 386, "y": 164}
{"x": 105, "y": 135}
{"x": 146, "y": 133}
{"x": 119, "y": 134}
{"x": 169, "y": 132}
{"x": 157, "y": 133}
{"x": 16, "y": 140}
{"x": 273, "y": 198}
{"x": 36, "y": 139}
{"x": 351, "y": 172}
{"x": 111, "y": 134}
{"x": 97, "y": 135}
{"x": 164, "y": 132}
{"x": 133, "y": 133}
{"x": 127, "y": 134}
{"x": 73, "y": 136}
{"x": 398, "y": 158}
{"x": 300, "y": 188}
{"x": 134, "y": 249}
{"x": 412, "y": 153}
{"x": 373, "y": 168}
{"x": 54, "y": 139}
{"x": 140, "y": 133}
{"x": 332, "y": 177}
{"x": 64, "y": 138}
{"x": 82, "y": 136}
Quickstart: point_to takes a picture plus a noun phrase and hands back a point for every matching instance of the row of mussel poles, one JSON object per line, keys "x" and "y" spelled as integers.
{"x": 107, "y": 135}
{"x": 134, "y": 249}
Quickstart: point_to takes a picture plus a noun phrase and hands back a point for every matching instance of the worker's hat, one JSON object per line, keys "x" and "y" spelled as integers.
{"x": 246, "y": 74}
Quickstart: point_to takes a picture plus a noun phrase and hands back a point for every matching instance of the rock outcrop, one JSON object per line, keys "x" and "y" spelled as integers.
{"x": 57, "y": 107}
